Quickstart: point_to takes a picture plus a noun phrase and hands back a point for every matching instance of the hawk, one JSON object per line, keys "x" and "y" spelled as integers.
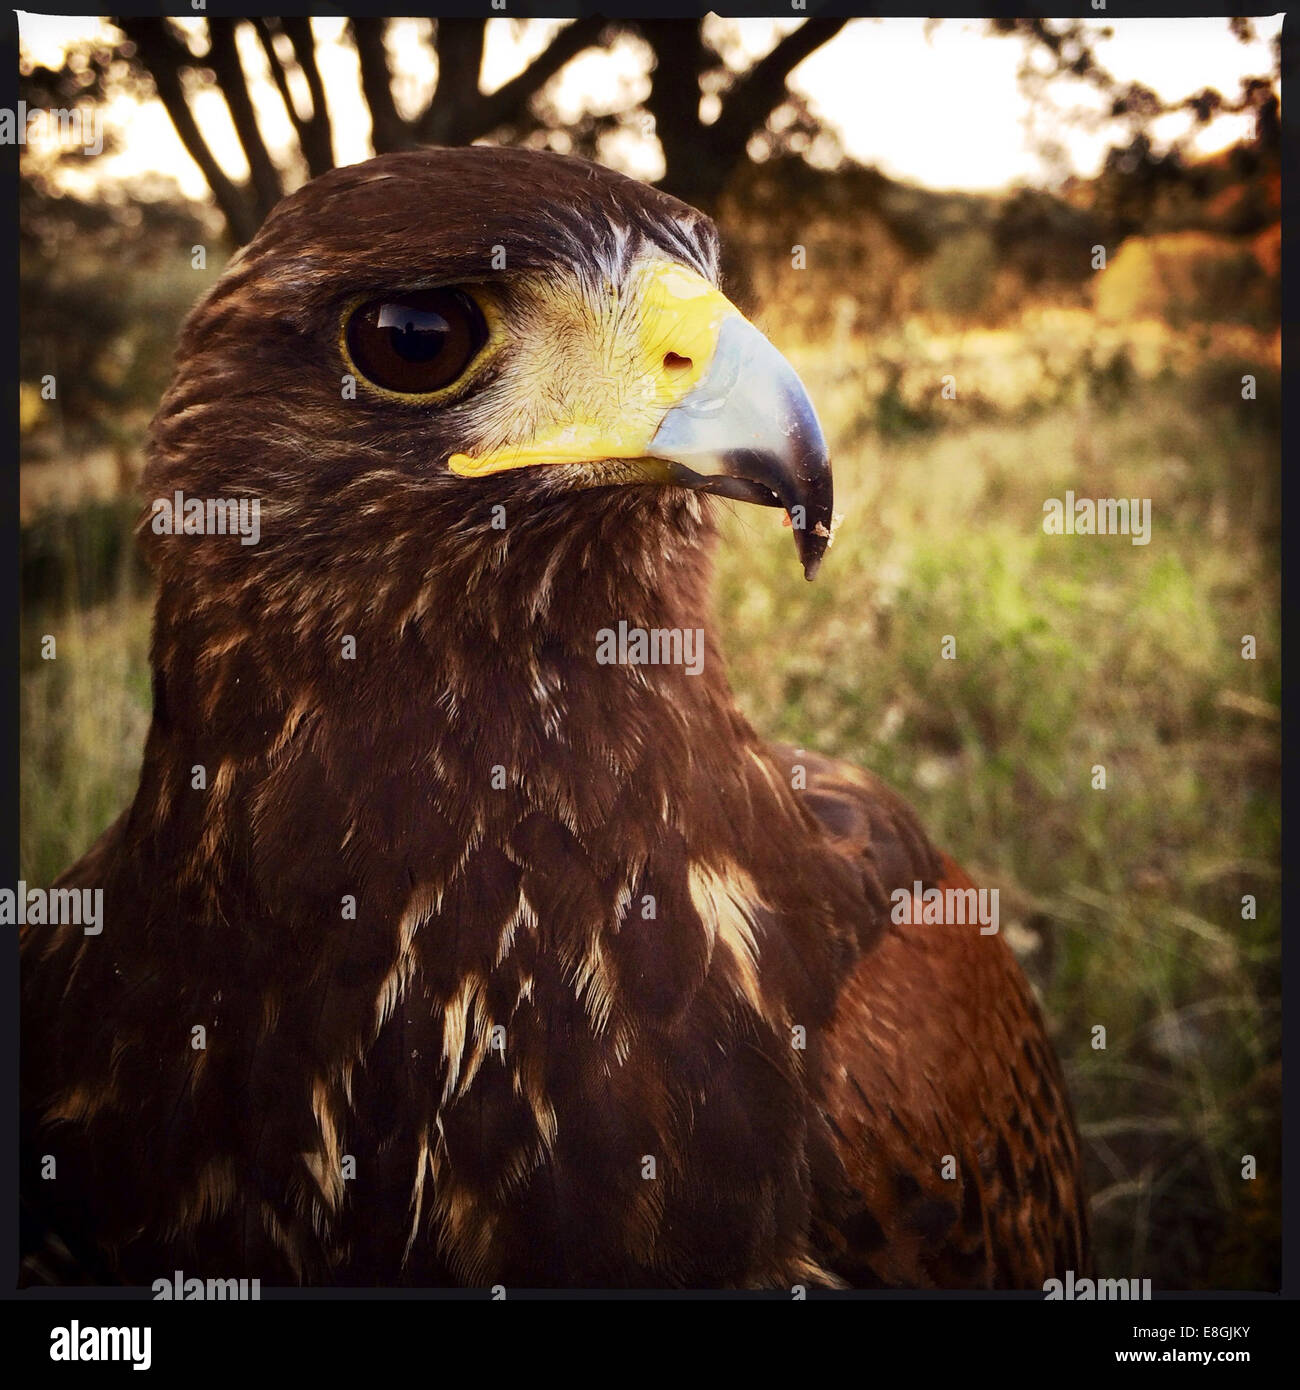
{"x": 447, "y": 940}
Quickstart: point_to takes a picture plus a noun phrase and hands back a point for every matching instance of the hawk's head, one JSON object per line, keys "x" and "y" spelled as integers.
{"x": 521, "y": 353}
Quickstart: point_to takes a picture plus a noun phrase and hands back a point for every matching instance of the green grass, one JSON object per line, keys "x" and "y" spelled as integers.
{"x": 1126, "y": 903}
{"x": 84, "y": 716}
{"x": 1072, "y": 652}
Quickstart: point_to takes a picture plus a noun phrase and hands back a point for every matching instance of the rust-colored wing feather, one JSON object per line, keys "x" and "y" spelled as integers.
{"x": 958, "y": 1162}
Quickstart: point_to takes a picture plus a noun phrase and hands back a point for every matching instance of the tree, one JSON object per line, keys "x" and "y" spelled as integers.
{"x": 1056, "y": 49}
{"x": 699, "y": 155}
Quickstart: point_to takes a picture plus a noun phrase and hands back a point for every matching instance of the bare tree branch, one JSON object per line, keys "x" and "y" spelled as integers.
{"x": 317, "y": 139}
{"x": 163, "y": 56}
{"x": 459, "y": 46}
{"x": 700, "y": 158}
{"x": 223, "y": 56}
{"x": 388, "y": 131}
{"x": 266, "y": 29}
{"x": 508, "y": 102}
{"x": 759, "y": 91}
{"x": 680, "y": 59}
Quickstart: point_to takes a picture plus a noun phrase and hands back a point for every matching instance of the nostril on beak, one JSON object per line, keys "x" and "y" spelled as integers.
{"x": 675, "y": 363}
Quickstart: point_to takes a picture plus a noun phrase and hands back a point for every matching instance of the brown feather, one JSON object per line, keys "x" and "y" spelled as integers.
{"x": 518, "y": 1156}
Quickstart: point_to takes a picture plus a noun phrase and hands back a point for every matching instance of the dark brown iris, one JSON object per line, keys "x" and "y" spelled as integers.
{"x": 417, "y": 342}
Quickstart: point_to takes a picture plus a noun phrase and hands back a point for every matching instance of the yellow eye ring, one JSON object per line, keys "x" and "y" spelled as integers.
{"x": 421, "y": 346}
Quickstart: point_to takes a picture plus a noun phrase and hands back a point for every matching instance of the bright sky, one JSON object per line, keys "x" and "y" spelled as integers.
{"x": 942, "y": 109}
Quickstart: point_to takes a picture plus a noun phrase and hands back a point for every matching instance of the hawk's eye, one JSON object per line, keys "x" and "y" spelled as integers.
{"x": 418, "y": 342}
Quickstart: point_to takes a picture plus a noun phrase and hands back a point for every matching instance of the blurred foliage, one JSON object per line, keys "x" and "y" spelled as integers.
{"x": 102, "y": 288}
{"x": 960, "y": 274}
{"x": 74, "y": 559}
{"x": 1186, "y": 278}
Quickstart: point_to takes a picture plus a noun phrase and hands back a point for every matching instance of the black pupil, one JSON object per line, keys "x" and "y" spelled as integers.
{"x": 418, "y": 335}
{"x": 417, "y": 342}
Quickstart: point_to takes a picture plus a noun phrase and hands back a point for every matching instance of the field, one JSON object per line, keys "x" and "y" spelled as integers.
{"x": 1126, "y": 904}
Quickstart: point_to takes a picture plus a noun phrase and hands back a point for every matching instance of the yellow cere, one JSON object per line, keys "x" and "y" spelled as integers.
{"x": 676, "y": 321}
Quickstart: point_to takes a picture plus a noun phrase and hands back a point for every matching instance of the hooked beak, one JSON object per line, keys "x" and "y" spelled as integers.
{"x": 711, "y": 406}
{"x": 749, "y": 431}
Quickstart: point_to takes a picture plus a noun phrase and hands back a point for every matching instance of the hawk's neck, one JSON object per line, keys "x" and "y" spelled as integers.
{"x": 440, "y": 735}
{"x": 482, "y": 880}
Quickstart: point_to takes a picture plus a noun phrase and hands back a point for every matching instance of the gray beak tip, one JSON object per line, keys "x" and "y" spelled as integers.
{"x": 748, "y": 431}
